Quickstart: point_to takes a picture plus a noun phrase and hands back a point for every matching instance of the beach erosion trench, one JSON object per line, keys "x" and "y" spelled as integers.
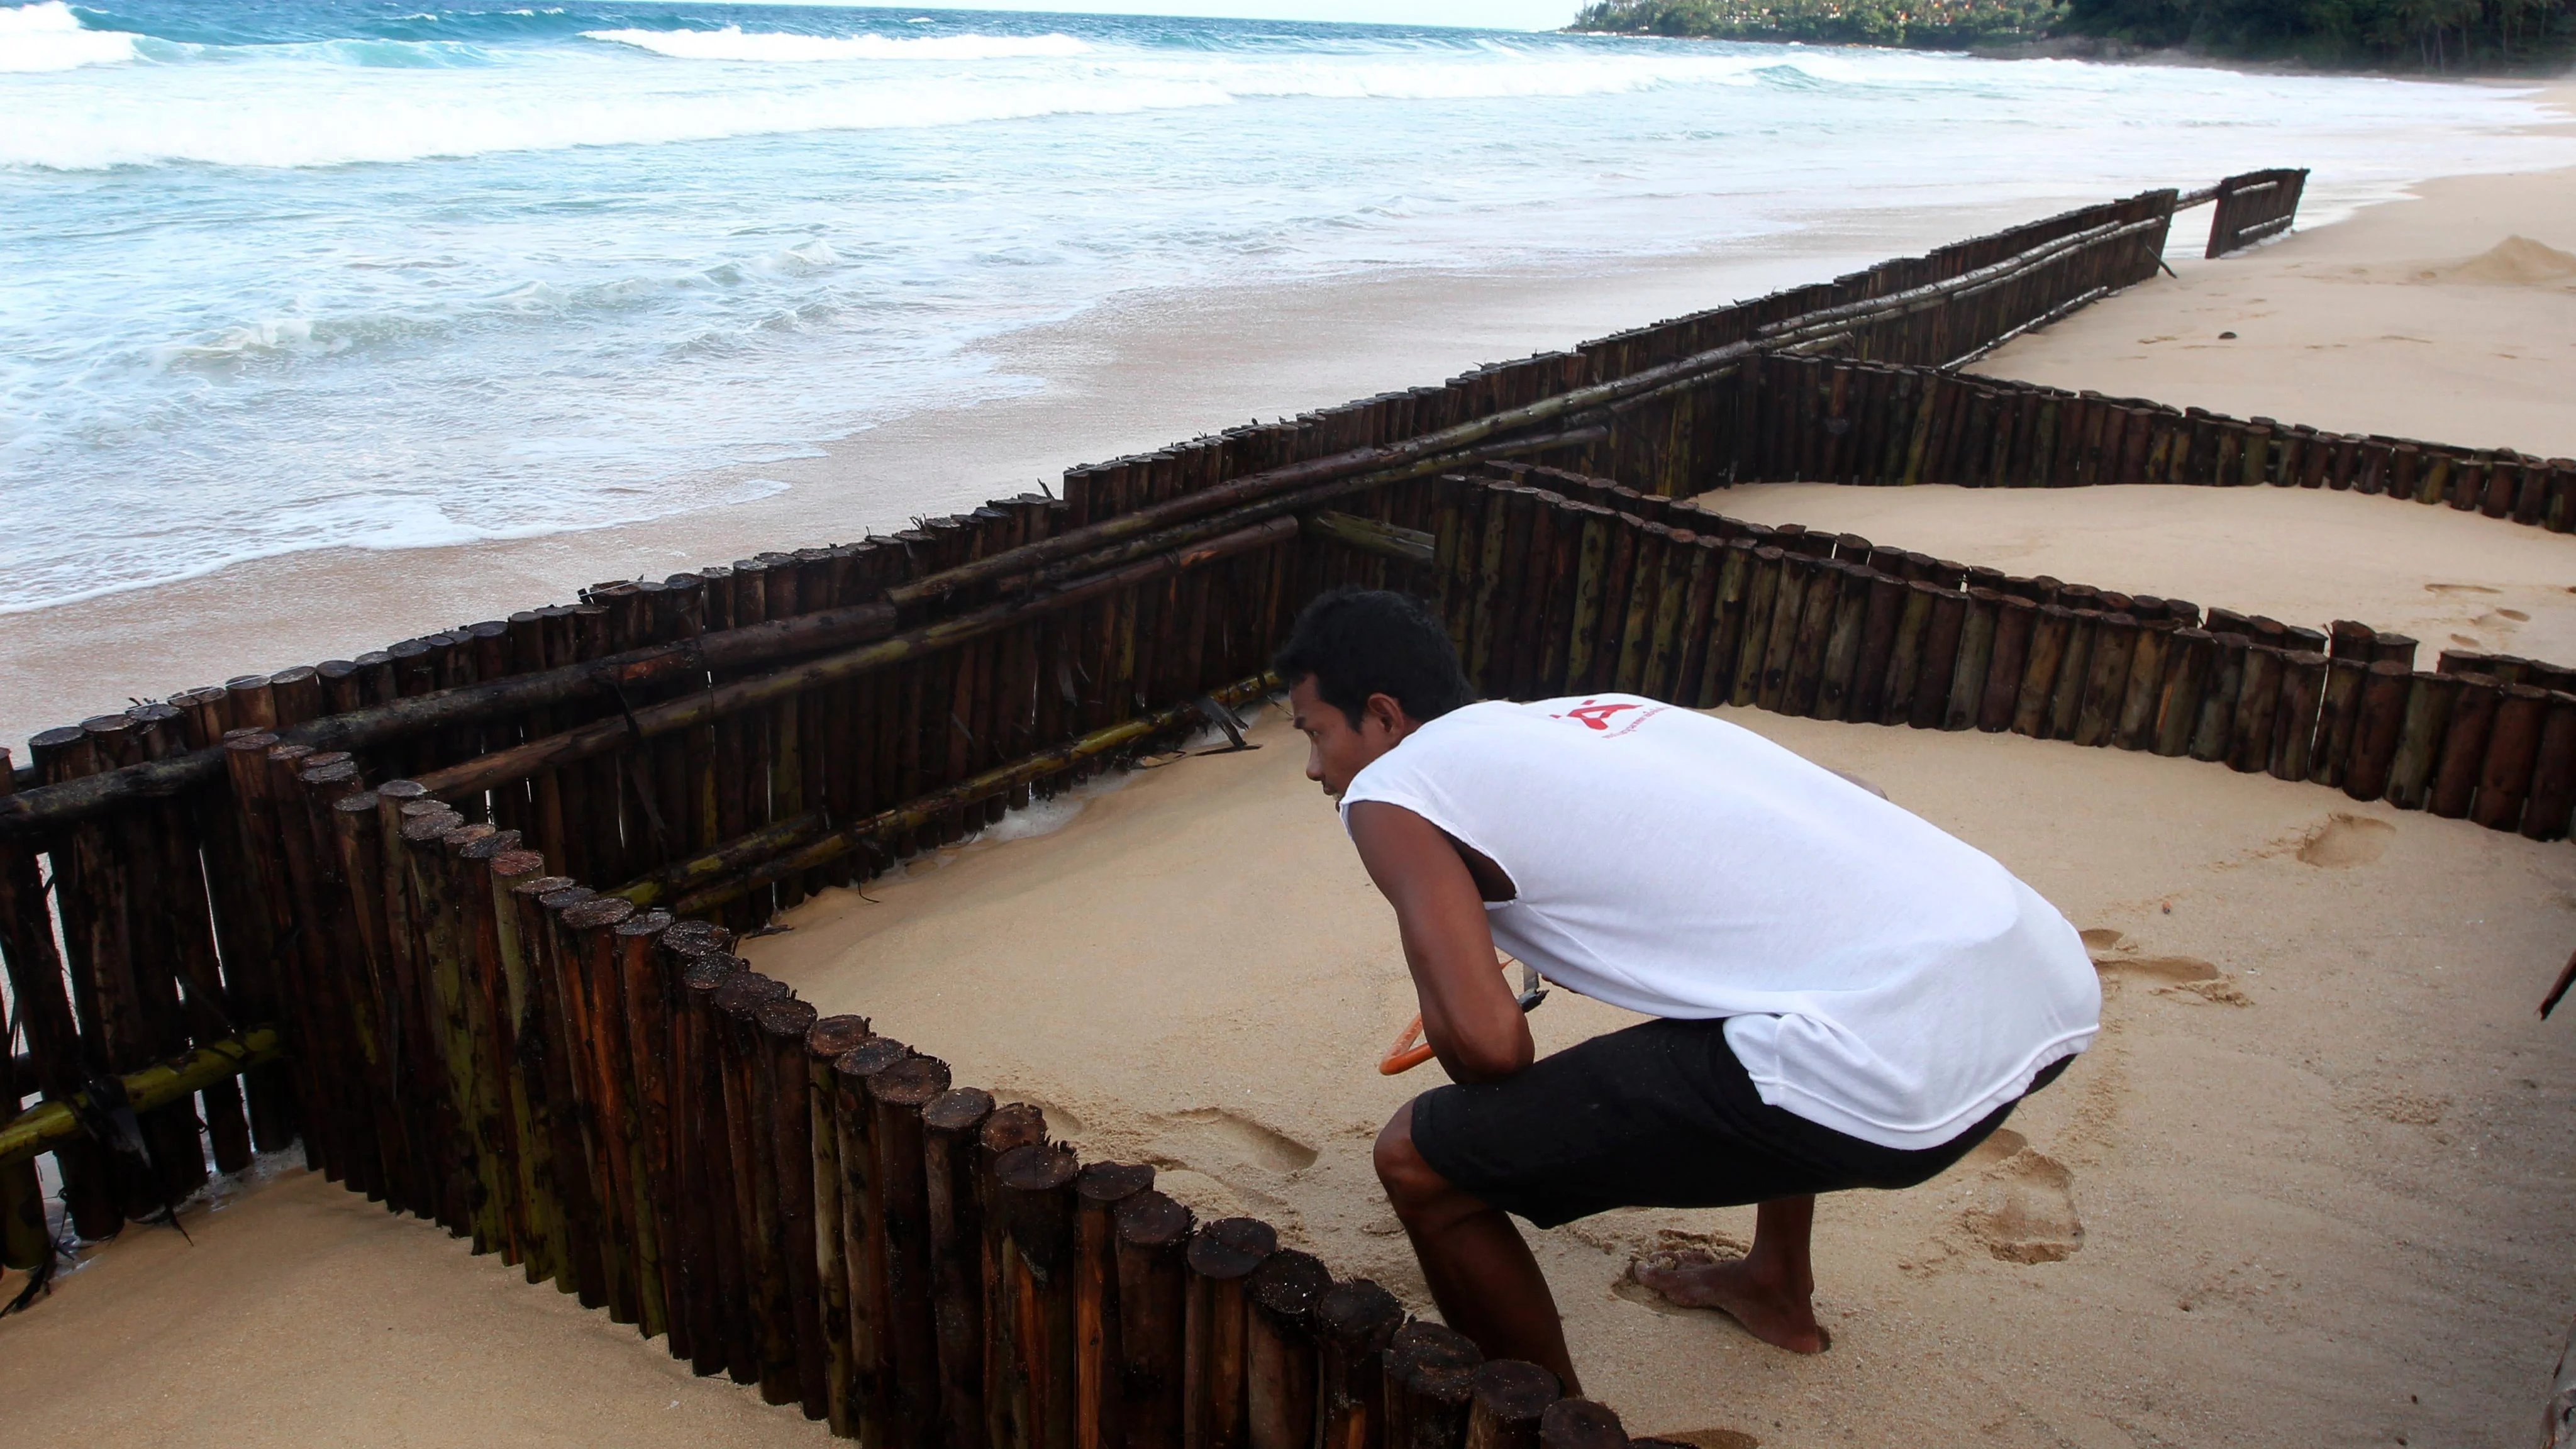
{"x": 457, "y": 917}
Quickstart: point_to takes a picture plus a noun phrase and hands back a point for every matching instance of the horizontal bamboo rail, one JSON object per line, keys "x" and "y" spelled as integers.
{"x": 40, "y": 1128}
{"x": 52, "y": 806}
{"x": 808, "y": 841}
{"x": 694, "y": 709}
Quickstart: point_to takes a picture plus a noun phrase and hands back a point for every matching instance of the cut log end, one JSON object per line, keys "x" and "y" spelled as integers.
{"x": 1150, "y": 1220}
{"x": 785, "y": 1019}
{"x": 1580, "y": 1424}
{"x": 832, "y": 1037}
{"x": 1112, "y": 1182}
{"x": 1231, "y": 1247}
{"x": 959, "y": 1109}
{"x": 912, "y": 1082}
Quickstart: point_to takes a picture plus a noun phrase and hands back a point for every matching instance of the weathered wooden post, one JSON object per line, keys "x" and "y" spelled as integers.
{"x": 785, "y": 1082}
{"x": 2374, "y": 742}
{"x": 1353, "y": 1322}
{"x": 1222, "y": 1257}
{"x": 1510, "y": 1399}
{"x": 1153, "y": 1242}
{"x": 1033, "y": 1205}
{"x": 827, "y": 1041}
{"x": 897, "y": 1096}
{"x": 1279, "y": 1357}
{"x": 1099, "y": 1400}
{"x": 951, "y": 1168}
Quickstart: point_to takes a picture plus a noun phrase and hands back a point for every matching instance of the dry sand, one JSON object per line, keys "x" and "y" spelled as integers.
{"x": 2310, "y": 1187}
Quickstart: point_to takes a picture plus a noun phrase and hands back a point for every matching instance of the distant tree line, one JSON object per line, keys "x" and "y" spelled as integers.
{"x": 2432, "y": 35}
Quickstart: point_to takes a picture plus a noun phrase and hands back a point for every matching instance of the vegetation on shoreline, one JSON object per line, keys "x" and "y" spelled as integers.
{"x": 2431, "y": 35}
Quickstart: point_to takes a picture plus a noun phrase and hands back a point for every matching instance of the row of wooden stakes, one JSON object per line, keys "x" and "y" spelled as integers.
{"x": 1653, "y": 443}
{"x": 608, "y": 1098}
{"x": 1557, "y": 584}
{"x": 1835, "y": 420}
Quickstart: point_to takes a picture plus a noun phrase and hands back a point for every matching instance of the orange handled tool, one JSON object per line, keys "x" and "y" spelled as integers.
{"x": 1411, "y": 1051}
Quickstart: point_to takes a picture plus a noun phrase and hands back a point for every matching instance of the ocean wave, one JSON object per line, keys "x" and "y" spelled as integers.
{"x": 50, "y": 37}
{"x": 384, "y": 125}
{"x": 735, "y": 43}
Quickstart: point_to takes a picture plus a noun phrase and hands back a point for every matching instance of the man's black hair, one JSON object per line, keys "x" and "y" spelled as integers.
{"x": 1357, "y": 642}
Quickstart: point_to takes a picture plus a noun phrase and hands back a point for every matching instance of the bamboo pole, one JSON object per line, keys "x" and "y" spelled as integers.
{"x": 1510, "y": 1398}
{"x": 1353, "y": 1322}
{"x": 1222, "y": 1257}
{"x": 2513, "y": 748}
{"x": 1033, "y": 1207}
{"x": 2050, "y": 629}
{"x": 1279, "y": 1351}
{"x": 2295, "y": 724}
{"x": 786, "y": 1079}
{"x": 712, "y": 1247}
{"x": 1418, "y": 1346}
{"x": 951, "y": 1166}
{"x": 44, "y": 1127}
{"x": 767, "y": 1353}
{"x": 1153, "y": 1239}
{"x": 2463, "y": 759}
{"x": 1580, "y": 1424}
{"x": 2008, "y": 665}
{"x": 2545, "y": 811}
{"x": 2338, "y": 715}
{"x": 2106, "y": 683}
{"x": 1938, "y": 667}
{"x": 871, "y": 1390}
{"x": 2135, "y": 728}
{"x": 2429, "y": 699}
{"x": 2382, "y": 720}
{"x": 827, "y": 1041}
{"x": 1099, "y": 1404}
{"x": 900, "y": 1191}
{"x": 1020, "y": 1124}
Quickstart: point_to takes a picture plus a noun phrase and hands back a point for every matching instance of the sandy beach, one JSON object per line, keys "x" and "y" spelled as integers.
{"x": 2311, "y": 1185}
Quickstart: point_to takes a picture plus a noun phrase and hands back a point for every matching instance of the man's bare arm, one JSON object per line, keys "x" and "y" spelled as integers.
{"x": 1469, "y": 1015}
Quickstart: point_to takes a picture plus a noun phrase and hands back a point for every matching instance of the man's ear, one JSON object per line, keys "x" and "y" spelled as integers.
{"x": 1387, "y": 712}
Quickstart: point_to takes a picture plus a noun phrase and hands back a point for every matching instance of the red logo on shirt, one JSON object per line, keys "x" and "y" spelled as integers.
{"x": 1599, "y": 717}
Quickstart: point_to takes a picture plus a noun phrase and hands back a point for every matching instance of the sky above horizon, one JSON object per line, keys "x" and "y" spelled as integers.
{"x": 1488, "y": 14}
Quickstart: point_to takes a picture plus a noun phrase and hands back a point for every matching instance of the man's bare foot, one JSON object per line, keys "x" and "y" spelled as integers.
{"x": 1771, "y": 1312}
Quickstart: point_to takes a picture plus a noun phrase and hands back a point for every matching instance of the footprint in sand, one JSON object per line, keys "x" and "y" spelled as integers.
{"x": 1215, "y": 1141}
{"x": 1704, "y": 1439}
{"x": 2026, "y": 1209}
{"x": 2344, "y": 841}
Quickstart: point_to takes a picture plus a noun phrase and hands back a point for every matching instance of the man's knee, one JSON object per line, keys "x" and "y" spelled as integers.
{"x": 1410, "y": 1182}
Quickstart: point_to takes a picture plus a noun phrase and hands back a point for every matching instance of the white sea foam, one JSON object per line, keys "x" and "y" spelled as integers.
{"x": 50, "y": 37}
{"x": 735, "y": 43}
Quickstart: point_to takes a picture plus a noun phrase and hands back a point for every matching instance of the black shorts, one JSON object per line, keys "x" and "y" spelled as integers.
{"x": 1658, "y": 1115}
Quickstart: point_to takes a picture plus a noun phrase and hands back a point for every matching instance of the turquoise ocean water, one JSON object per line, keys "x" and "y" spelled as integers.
{"x": 289, "y": 274}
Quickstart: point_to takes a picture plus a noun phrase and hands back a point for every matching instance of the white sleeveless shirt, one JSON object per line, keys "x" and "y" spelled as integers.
{"x": 1878, "y": 976}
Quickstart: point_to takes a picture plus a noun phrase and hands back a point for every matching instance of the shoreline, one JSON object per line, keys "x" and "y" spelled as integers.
{"x": 1131, "y": 373}
{"x": 2105, "y": 50}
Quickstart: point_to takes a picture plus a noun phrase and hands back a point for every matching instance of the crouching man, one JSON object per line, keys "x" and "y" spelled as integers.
{"x": 1844, "y": 996}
